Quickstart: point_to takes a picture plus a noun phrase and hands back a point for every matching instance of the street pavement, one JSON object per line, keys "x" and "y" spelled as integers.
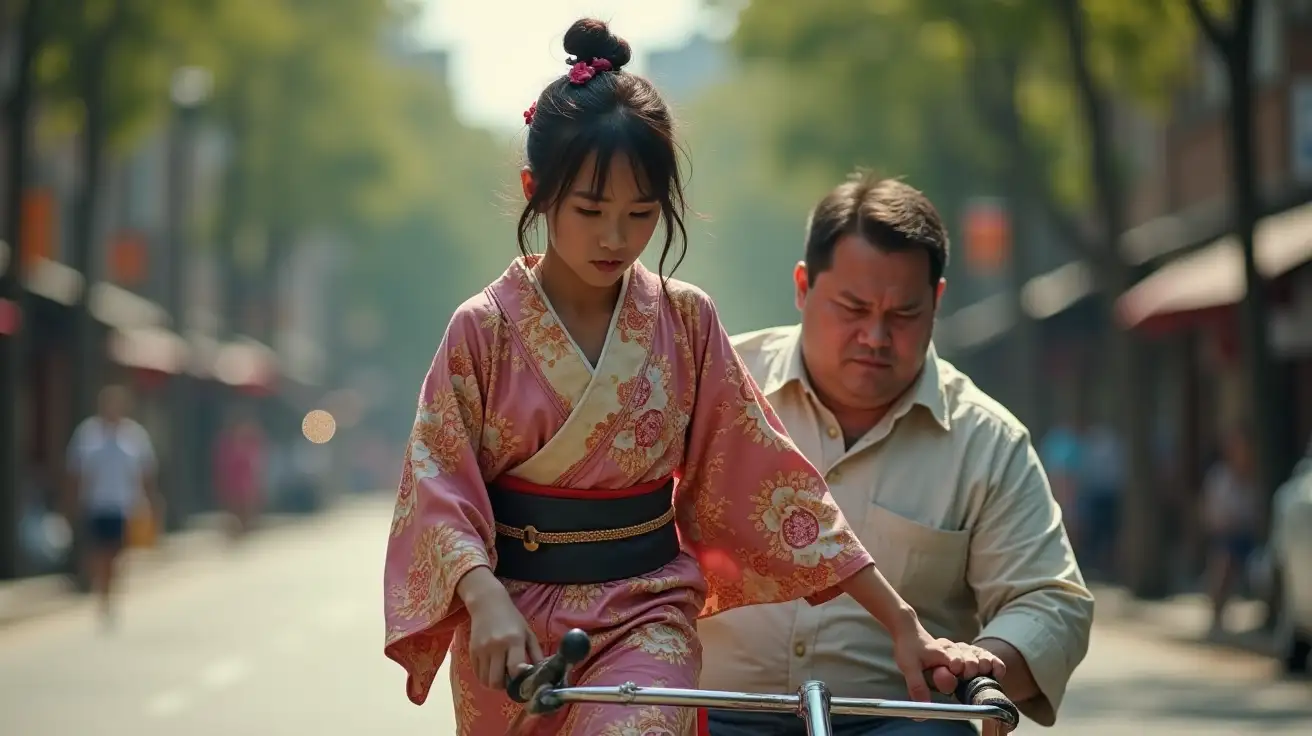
{"x": 282, "y": 637}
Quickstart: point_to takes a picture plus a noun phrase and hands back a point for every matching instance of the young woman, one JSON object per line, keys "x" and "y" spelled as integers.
{"x": 539, "y": 491}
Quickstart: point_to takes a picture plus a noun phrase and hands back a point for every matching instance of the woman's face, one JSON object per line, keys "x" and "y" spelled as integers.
{"x": 600, "y": 237}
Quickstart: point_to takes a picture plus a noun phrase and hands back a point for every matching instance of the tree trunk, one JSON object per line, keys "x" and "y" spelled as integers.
{"x": 1144, "y": 566}
{"x": 1258, "y": 364}
{"x": 282, "y": 239}
{"x": 87, "y": 357}
{"x": 181, "y": 479}
{"x": 1143, "y": 561}
{"x": 1025, "y": 334}
{"x": 231, "y": 219}
{"x": 1267, "y": 420}
{"x": 17, "y": 111}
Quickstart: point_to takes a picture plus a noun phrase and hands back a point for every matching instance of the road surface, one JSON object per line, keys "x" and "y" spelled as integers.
{"x": 282, "y": 638}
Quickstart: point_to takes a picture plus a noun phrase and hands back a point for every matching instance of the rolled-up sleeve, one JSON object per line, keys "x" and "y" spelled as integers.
{"x": 1026, "y": 581}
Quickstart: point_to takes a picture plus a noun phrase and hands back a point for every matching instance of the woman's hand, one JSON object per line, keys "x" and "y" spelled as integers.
{"x": 946, "y": 662}
{"x": 500, "y": 641}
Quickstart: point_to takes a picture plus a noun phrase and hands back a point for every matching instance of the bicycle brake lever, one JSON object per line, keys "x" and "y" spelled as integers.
{"x": 550, "y": 673}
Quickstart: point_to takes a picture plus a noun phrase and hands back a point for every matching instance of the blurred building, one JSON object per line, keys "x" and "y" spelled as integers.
{"x": 1186, "y": 303}
{"x": 140, "y": 224}
{"x": 682, "y": 73}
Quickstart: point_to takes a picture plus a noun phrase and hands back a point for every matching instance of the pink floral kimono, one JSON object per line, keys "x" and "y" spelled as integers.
{"x": 510, "y": 395}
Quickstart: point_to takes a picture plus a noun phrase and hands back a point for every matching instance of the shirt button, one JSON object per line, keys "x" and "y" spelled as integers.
{"x": 834, "y": 477}
{"x": 799, "y": 649}
{"x": 833, "y": 433}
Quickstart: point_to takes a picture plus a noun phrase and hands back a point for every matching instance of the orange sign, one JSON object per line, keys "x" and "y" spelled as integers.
{"x": 37, "y": 238}
{"x": 127, "y": 259}
{"x": 987, "y": 235}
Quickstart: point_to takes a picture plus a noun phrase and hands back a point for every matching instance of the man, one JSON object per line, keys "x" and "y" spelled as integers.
{"x": 940, "y": 482}
{"x": 1060, "y": 452}
{"x": 1100, "y": 477}
{"x": 111, "y": 466}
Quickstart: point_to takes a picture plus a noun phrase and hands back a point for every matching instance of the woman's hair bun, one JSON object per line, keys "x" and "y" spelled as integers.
{"x": 589, "y": 38}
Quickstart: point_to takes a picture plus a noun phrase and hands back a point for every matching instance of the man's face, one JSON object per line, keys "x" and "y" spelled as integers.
{"x": 866, "y": 323}
{"x": 113, "y": 404}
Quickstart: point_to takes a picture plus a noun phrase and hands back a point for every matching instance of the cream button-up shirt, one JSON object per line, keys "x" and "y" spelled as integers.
{"x": 948, "y": 495}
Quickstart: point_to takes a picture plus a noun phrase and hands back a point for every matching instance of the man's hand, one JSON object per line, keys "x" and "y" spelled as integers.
{"x": 1017, "y": 680}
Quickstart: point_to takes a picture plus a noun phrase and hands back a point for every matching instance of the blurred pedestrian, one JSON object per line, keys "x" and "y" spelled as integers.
{"x": 112, "y": 472}
{"x": 1060, "y": 452}
{"x": 1102, "y": 474}
{"x": 240, "y": 463}
{"x": 1231, "y": 520}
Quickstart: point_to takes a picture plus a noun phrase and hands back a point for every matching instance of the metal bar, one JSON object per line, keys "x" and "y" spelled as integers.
{"x": 815, "y": 707}
{"x": 631, "y": 694}
{"x": 912, "y": 709}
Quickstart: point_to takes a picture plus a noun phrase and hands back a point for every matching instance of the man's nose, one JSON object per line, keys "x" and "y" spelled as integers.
{"x": 873, "y": 334}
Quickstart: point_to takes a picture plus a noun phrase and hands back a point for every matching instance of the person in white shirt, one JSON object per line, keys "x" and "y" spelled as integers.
{"x": 1231, "y": 518}
{"x": 111, "y": 466}
{"x": 939, "y": 481}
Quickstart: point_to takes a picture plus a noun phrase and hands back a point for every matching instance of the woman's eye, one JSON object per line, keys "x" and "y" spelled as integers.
{"x": 588, "y": 213}
{"x": 643, "y": 215}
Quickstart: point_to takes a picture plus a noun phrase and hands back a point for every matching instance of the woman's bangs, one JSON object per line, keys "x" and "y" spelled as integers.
{"x": 632, "y": 139}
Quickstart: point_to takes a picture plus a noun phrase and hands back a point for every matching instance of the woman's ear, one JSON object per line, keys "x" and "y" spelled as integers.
{"x": 528, "y": 183}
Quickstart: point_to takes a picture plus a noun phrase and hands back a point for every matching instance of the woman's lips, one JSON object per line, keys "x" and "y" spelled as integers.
{"x": 608, "y": 266}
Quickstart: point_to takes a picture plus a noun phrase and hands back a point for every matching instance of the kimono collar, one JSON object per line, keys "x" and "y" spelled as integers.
{"x": 786, "y": 366}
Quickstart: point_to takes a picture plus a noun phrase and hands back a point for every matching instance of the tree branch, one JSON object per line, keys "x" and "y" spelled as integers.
{"x": 1220, "y": 39}
{"x": 1097, "y": 121}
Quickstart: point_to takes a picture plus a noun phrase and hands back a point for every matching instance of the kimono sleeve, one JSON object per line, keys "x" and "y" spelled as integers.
{"x": 753, "y": 510}
{"x": 442, "y": 527}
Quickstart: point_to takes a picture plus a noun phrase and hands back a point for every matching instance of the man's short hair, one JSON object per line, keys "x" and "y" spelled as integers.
{"x": 891, "y": 214}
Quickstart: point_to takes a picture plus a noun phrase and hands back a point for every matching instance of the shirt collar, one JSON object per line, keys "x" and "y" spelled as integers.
{"x": 787, "y": 367}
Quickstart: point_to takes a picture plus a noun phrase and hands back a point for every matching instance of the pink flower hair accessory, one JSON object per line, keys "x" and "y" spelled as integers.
{"x": 529, "y": 113}
{"x": 581, "y": 71}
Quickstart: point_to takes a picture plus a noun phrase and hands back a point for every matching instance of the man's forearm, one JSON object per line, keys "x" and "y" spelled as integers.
{"x": 1018, "y": 684}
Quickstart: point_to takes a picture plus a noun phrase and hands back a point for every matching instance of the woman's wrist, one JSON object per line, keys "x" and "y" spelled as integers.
{"x": 873, "y": 592}
{"x": 477, "y": 585}
{"x": 904, "y": 620}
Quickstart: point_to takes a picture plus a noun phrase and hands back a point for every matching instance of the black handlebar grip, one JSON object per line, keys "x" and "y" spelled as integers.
{"x": 986, "y": 691}
{"x": 550, "y": 672}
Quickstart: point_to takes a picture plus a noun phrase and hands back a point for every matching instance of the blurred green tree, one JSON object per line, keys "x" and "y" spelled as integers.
{"x": 332, "y": 123}
{"x": 103, "y": 71}
{"x": 750, "y": 208}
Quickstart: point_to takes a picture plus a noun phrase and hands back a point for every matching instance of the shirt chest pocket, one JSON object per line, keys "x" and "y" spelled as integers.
{"x": 926, "y": 565}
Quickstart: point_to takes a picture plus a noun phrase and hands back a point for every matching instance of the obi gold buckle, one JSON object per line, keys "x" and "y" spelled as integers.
{"x": 534, "y": 539}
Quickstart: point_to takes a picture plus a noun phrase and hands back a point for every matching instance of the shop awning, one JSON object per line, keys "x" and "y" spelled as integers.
{"x": 246, "y": 363}
{"x": 1214, "y": 276}
{"x": 148, "y": 348}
